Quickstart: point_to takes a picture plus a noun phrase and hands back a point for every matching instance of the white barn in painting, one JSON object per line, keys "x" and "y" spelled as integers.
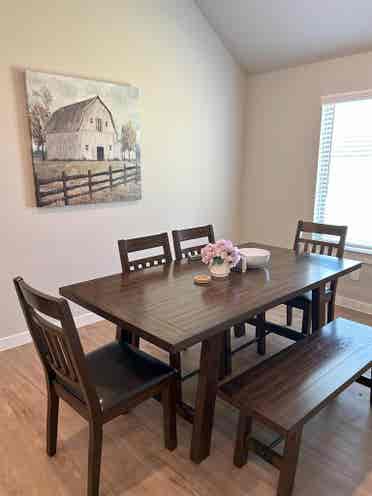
{"x": 82, "y": 131}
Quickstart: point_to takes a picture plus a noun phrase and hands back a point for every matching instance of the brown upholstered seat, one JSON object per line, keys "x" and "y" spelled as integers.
{"x": 120, "y": 372}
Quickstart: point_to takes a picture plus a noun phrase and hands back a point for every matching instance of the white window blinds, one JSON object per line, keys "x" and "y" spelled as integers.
{"x": 344, "y": 181}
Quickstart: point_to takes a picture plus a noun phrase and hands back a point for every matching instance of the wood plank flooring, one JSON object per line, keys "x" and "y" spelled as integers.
{"x": 335, "y": 459}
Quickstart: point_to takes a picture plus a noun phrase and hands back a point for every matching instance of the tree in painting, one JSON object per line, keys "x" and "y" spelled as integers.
{"x": 39, "y": 113}
{"x": 128, "y": 140}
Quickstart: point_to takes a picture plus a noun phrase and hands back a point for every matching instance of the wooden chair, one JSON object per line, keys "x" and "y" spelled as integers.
{"x": 100, "y": 385}
{"x": 128, "y": 246}
{"x": 321, "y": 246}
{"x": 181, "y": 235}
{"x": 288, "y": 389}
{"x": 135, "y": 245}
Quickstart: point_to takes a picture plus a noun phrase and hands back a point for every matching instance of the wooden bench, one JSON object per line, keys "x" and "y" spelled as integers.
{"x": 288, "y": 389}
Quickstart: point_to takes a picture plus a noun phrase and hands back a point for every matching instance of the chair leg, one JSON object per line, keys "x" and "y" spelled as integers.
{"x": 135, "y": 341}
{"x": 175, "y": 363}
{"x": 94, "y": 457}
{"x": 127, "y": 337}
{"x": 122, "y": 335}
{"x": 225, "y": 362}
{"x": 242, "y": 438}
{"x": 306, "y": 320}
{"x": 289, "y": 315}
{"x": 239, "y": 330}
{"x": 52, "y": 421}
{"x": 260, "y": 334}
{"x": 170, "y": 415}
{"x": 331, "y": 310}
{"x": 289, "y": 462}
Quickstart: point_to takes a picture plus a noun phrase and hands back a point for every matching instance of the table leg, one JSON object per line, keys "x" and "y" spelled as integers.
{"x": 318, "y": 307}
{"x": 206, "y": 398}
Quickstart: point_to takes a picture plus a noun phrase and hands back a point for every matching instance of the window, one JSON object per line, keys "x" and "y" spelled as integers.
{"x": 91, "y": 120}
{"x": 110, "y": 147}
{"x": 99, "y": 125}
{"x": 86, "y": 147}
{"x": 343, "y": 189}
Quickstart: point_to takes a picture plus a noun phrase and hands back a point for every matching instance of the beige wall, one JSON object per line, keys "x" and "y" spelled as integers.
{"x": 193, "y": 97}
{"x": 282, "y": 135}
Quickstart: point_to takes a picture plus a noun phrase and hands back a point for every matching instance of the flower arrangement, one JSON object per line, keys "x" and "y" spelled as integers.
{"x": 223, "y": 251}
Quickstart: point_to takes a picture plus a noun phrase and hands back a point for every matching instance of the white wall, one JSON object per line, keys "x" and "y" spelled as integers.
{"x": 193, "y": 97}
{"x": 282, "y": 136}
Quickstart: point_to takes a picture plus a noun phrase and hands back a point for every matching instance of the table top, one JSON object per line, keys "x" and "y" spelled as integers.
{"x": 164, "y": 306}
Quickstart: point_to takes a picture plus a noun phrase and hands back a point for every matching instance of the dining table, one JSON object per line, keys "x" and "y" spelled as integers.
{"x": 164, "y": 306}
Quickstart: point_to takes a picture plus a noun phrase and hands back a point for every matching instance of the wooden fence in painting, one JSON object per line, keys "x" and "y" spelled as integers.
{"x": 65, "y": 186}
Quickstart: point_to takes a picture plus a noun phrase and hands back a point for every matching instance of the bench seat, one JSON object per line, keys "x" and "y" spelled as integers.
{"x": 287, "y": 389}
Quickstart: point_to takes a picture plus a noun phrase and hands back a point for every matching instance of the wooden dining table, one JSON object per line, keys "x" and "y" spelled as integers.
{"x": 163, "y": 306}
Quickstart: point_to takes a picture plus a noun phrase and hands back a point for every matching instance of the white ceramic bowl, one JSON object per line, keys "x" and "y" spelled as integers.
{"x": 255, "y": 258}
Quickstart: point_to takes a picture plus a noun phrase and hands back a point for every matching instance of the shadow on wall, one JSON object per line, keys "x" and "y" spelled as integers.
{"x": 24, "y": 138}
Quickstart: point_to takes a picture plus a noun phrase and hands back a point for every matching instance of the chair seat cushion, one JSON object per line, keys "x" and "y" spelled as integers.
{"x": 120, "y": 372}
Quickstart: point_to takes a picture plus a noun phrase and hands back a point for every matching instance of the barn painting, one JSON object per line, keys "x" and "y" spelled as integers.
{"x": 85, "y": 140}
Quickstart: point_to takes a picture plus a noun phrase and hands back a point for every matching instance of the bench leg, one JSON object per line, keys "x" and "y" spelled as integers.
{"x": 260, "y": 334}
{"x": 242, "y": 438}
{"x": 289, "y": 463}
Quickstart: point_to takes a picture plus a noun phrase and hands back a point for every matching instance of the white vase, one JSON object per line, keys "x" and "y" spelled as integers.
{"x": 219, "y": 271}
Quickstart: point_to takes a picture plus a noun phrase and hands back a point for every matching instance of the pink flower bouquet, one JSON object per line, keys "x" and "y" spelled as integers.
{"x": 223, "y": 251}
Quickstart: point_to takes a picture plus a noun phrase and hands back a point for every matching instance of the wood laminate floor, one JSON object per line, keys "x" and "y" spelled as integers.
{"x": 335, "y": 459}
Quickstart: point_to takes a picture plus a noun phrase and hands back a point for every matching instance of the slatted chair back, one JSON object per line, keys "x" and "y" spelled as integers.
{"x": 319, "y": 243}
{"x": 182, "y": 235}
{"x": 128, "y": 246}
{"x": 57, "y": 344}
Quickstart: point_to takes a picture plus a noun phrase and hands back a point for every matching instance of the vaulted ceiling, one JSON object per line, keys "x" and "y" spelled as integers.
{"x": 269, "y": 34}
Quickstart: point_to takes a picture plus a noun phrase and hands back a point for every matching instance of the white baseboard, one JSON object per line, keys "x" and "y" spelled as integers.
{"x": 14, "y": 340}
{"x": 87, "y": 319}
{"x": 351, "y": 304}
{"x": 21, "y": 338}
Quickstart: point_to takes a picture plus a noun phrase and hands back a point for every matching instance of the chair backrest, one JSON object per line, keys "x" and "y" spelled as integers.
{"x": 334, "y": 246}
{"x": 181, "y": 235}
{"x": 127, "y": 246}
{"x": 58, "y": 344}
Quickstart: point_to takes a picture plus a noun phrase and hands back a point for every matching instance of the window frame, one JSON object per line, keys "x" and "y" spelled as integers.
{"x": 99, "y": 126}
{"x": 334, "y": 99}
